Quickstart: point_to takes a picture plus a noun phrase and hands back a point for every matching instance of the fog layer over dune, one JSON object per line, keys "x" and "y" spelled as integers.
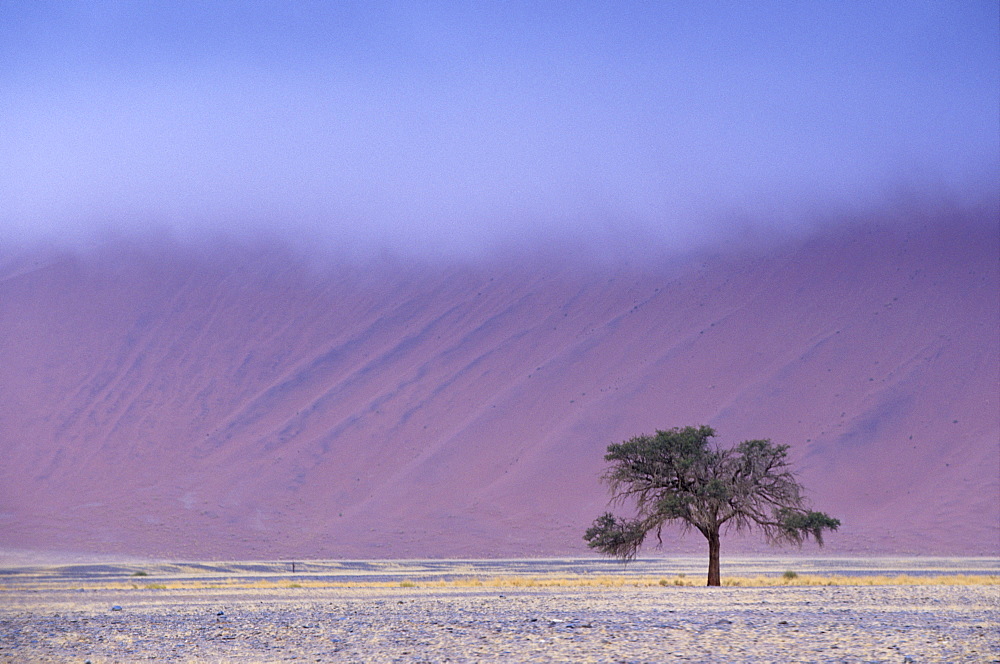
{"x": 237, "y": 401}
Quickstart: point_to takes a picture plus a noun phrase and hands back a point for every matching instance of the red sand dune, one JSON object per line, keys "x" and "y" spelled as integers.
{"x": 239, "y": 403}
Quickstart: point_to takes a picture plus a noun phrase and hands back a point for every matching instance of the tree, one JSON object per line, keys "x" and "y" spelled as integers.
{"x": 678, "y": 476}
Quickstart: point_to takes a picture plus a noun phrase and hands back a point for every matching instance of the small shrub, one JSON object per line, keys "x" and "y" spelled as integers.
{"x": 140, "y": 573}
{"x": 789, "y": 575}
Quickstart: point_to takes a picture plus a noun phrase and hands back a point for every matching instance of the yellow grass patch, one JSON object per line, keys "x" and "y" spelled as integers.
{"x": 873, "y": 580}
{"x": 568, "y": 582}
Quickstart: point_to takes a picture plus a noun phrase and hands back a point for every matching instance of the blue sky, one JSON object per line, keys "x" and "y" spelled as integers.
{"x": 463, "y": 125}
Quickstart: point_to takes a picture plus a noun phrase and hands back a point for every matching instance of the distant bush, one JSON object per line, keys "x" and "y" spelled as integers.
{"x": 789, "y": 575}
{"x": 140, "y": 574}
{"x": 679, "y": 580}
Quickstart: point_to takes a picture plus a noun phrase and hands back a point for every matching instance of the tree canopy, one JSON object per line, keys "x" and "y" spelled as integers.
{"x": 678, "y": 476}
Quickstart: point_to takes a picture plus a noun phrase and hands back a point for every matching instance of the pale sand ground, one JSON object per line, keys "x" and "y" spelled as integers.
{"x": 44, "y": 619}
{"x": 823, "y": 624}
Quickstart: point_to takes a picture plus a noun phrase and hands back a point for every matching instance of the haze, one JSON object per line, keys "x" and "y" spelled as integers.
{"x": 451, "y": 128}
{"x": 566, "y": 224}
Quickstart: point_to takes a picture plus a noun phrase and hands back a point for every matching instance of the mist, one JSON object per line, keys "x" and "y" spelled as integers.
{"x": 456, "y": 131}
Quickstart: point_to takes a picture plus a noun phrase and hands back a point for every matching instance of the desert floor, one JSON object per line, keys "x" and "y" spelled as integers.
{"x": 475, "y": 611}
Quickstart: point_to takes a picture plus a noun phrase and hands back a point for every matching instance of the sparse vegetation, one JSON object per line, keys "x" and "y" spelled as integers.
{"x": 608, "y": 581}
{"x": 677, "y": 476}
{"x": 790, "y": 575}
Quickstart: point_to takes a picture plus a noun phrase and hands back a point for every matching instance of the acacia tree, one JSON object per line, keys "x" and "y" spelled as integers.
{"x": 677, "y": 476}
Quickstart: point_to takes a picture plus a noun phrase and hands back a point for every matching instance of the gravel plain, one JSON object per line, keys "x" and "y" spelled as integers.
{"x": 421, "y": 611}
{"x": 782, "y": 624}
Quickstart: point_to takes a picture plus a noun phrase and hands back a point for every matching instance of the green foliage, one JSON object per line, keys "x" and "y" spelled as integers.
{"x": 789, "y": 575}
{"x": 618, "y": 538}
{"x": 799, "y": 525}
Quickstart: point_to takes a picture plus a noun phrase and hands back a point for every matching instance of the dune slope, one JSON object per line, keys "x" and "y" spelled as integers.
{"x": 238, "y": 402}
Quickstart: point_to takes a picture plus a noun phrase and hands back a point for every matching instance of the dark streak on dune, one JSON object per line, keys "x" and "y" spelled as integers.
{"x": 237, "y": 403}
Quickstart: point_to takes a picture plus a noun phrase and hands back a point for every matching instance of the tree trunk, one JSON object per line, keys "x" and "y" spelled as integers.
{"x": 714, "y": 578}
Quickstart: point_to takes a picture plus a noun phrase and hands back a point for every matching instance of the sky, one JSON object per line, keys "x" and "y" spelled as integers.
{"x": 458, "y": 126}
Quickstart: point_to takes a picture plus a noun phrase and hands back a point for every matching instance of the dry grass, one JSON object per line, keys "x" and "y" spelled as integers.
{"x": 873, "y": 580}
{"x": 568, "y": 582}
{"x": 736, "y": 581}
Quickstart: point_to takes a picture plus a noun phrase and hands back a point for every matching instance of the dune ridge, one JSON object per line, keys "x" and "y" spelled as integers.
{"x": 236, "y": 401}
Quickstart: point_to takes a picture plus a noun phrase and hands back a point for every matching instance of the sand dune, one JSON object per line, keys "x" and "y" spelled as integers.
{"x": 231, "y": 401}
